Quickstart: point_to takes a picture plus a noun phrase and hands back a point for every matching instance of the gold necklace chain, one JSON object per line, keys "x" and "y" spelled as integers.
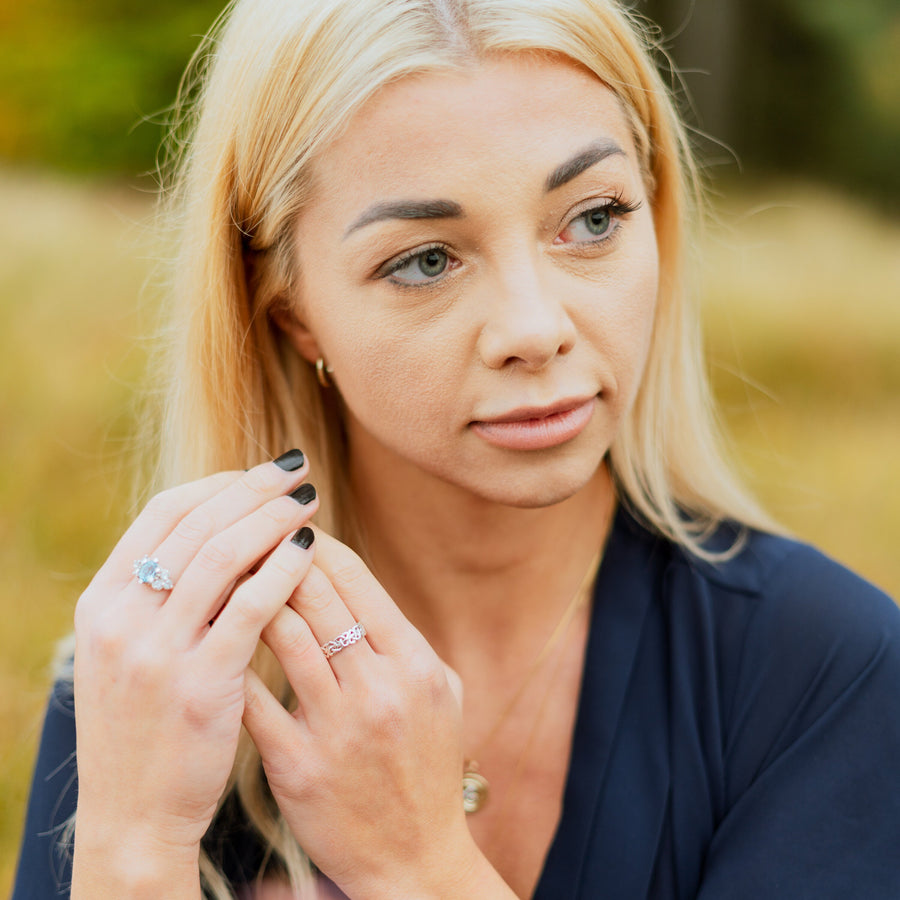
{"x": 474, "y": 785}
{"x": 529, "y": 743}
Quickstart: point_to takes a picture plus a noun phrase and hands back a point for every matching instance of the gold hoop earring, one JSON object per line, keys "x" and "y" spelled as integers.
{"x": 324, "y": 373}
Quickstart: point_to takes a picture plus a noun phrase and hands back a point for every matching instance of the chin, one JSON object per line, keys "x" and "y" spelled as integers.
{"x": 539, "y": 489}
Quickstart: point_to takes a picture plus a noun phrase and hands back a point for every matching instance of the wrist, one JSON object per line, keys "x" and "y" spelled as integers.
{"x": 457, "y": 875}
{"x": 132, "y": 866}
{"x": 478, "y": 879}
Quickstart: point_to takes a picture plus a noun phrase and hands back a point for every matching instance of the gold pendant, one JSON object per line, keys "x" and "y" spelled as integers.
{"x": 474, "y": 788}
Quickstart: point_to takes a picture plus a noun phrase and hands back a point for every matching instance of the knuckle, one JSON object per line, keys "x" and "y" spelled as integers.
{"x": 455, "y": 684}
{"x": 345, "y": 564}
{"x": 166, "y": 506}
{"x": 312, "y": 603}
{"x": 217, "y": 557}
{"x": 350, "y": 576}
{"x": 146, "y": 665}
{"x": 313, "y": 595}
{"x": 299, "y": 783}
{"x": 386, "y": 715}
{"x": 263, "y": 481}
{"x": 282, "y": 513}
{"x": 106, "y": 638}
{"x": 84, "y": 610}
{"x": 296, "y": 642}
{"x": 253, "y": 702}
{"x": 424, "y": 668}
{"x": 80, "y": 618}
{"x": 286, "y": 568}
{"x": 194, "y": 709}
{"x": 249, "y": 609}
{"x": 196, "y": 527}
{"x": 222, "y": 480}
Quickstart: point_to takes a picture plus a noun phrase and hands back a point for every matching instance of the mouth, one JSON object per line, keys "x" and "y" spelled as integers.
{"x": 537, "y": 427}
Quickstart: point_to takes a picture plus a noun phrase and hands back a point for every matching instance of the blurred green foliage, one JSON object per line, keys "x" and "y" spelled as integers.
{"x": 86, "y": 85}
{"x": 823, "y": 92}
{"x": 810, "y": 87}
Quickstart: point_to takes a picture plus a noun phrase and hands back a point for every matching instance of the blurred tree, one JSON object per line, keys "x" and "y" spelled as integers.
{"x": 86, "y": 85}
{"x": 802, "y": 86}
{"x": 704, "y": 39}
{"x": 808, "y": 87}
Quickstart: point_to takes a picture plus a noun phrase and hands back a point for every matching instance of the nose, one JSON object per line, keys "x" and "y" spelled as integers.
{"x": 526, "y": 322}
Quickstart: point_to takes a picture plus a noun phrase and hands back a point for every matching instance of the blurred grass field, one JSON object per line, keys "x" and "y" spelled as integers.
{"x": 801, "y": 291}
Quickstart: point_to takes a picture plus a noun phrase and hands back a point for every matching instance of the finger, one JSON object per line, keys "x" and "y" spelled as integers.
{"x": 270, "y": 726}
{"x": 316, "y": 600}
{"x": 156, "y": 521}
{"x": 197, "y": 597}
{"x": 232, "y": 638}
{"x": 388, "y": 631}
{"x": 244, "y": 495}
{"x": 307, "y": 670}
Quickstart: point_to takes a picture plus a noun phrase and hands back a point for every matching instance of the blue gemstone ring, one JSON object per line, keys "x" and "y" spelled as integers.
{"x": 148, "y": 571}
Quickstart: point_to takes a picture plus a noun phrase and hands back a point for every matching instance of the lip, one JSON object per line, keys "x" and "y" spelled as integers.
{"x": 537, "y": 427}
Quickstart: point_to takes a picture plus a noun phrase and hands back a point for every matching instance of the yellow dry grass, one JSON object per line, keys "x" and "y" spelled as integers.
{"x": 801, "y": 292}
{"x": 801, "y": 300}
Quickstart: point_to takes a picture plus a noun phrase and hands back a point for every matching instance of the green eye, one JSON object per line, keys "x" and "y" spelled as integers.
{"x": 419, "y": 267}
{"x": 432, "y": 263}
{"x": 597, "y": 221}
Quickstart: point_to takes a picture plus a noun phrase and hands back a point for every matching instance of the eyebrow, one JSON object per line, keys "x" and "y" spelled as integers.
{"x": 572, "y": 168}
{"x": 450, "y": 209}
{"x": 407, "y": 209}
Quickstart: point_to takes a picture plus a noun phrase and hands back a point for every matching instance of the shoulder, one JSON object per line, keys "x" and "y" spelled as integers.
{"x": 773, "y": 602}
{"x": 781, "y": 696}
{"x": 44, "y": 866}
{"x": 803, "y": 647}
{"x": 789, "y": 595}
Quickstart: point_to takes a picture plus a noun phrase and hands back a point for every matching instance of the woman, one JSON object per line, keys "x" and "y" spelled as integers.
{"x": 437, "y": 245}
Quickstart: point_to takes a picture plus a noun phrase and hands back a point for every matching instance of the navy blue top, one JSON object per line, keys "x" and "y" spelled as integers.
{"x": 737, "y": 736}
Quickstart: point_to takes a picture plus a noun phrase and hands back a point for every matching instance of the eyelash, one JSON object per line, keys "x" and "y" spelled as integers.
{"x": 399, "y": 262}
{"x": 617, "y": 208}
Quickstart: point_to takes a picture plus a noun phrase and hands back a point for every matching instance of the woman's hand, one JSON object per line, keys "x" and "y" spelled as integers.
{"x": 367, "y": 770}
{"x": 159, "y": 675}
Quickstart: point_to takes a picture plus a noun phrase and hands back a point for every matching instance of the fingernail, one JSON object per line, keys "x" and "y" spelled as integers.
{"x": 304, "y": 494}
{"x": 290, "y": 461}
{"x": 304, "y": 538}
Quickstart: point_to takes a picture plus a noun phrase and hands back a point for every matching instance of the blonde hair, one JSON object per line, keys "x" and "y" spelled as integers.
{"x": 271, "y": 86}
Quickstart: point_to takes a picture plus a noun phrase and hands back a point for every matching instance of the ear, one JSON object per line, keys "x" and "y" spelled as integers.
{"x": 297, "y": 333}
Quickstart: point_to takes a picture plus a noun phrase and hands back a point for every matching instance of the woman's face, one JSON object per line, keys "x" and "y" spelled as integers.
{"x": 478, "y": 265}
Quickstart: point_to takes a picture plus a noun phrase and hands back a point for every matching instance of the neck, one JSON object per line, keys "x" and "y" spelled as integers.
{"x": 467, "y": 572}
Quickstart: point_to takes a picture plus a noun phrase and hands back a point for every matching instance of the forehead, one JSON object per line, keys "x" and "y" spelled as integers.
{"x": 428, "y": 130}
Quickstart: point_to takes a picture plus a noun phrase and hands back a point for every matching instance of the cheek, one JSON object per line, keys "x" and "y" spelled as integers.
{"x": 386, "y": 370}
{"x": 385, "y": 360}
{"x": 644, "y": 310}
{"x": 642, "y": 324}
{"x": 624, "y": 326}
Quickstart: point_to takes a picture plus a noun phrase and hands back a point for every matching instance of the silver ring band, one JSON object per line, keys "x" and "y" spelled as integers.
{"x": 148, "y": 571}
{"x": 343, "y": 640}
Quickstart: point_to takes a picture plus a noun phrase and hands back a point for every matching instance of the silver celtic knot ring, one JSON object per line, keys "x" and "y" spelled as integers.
{"x": 148, "y": 571}
{"x": 344, "y": 639}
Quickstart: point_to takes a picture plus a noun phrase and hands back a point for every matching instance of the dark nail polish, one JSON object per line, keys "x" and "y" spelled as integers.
{"x": 304, "y": 538}
{"x": 304, "y": 494}
{"x": 290, "y": 461}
